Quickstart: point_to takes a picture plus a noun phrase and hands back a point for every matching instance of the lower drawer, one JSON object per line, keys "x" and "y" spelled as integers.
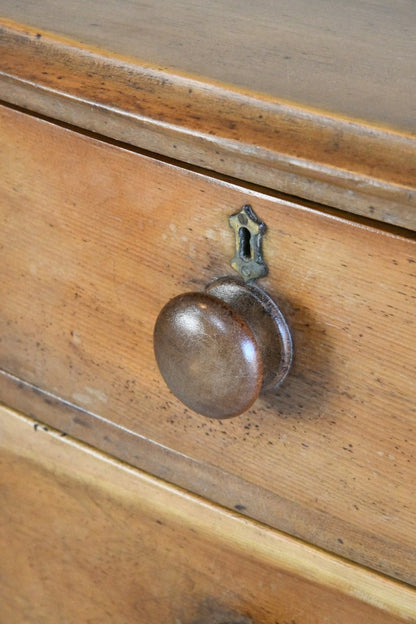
{"x": 95, "y": 239}
{"x": 85, "y": 538}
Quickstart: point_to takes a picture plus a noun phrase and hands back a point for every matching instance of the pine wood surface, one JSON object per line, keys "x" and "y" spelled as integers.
{"x": 356, "y": 60}
{"x": 95, "y": 239}
{"x": 281, "y": 102}
{"x": 86, "y": 538}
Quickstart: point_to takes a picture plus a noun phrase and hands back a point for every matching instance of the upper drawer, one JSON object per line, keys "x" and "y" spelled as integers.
{"x": 95, "y": 239}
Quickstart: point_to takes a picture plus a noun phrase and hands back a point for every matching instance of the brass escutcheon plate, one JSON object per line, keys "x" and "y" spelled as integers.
{"x": 248, "y": 229}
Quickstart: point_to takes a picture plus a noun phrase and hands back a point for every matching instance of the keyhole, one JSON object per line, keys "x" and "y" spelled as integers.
{"x": 245, "y": 243}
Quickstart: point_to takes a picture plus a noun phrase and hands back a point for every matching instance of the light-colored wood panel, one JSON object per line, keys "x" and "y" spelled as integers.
{"x": 338, "y": 161}
{"x": 86, "y": 538}
{"x": 356, "y": 59}
{"x": 95, "y": 240}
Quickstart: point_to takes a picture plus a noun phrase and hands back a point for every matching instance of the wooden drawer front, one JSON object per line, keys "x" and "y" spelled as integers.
{"x": 95, "y": 239}
{"x": 87, "y": 539}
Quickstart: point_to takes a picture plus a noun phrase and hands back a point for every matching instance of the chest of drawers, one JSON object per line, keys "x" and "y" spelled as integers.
{"x": 118, "y": 179}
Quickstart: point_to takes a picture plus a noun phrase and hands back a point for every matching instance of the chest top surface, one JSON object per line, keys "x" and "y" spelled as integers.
{"x": 356, "y": 59}
{"x": 314, "y": 100}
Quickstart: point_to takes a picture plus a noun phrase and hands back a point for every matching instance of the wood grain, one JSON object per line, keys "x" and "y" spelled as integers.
{"x": 90, "y": 539}
{"x": 356, "y": 60}
{"x": 95, "y": 239}
{"x": 355, "y": 162}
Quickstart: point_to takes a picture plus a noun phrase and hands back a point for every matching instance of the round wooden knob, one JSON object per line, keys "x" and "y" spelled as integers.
{"x": 218, "y": 349}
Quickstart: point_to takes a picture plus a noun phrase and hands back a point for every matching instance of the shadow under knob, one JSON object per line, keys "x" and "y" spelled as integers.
{"x": 217, "y": 349}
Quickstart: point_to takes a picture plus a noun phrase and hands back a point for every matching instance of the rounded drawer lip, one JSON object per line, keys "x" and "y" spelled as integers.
{"x": 91, "y": 238}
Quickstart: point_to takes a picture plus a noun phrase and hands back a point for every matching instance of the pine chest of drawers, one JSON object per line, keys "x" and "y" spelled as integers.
{"x": 122, "y": 157}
